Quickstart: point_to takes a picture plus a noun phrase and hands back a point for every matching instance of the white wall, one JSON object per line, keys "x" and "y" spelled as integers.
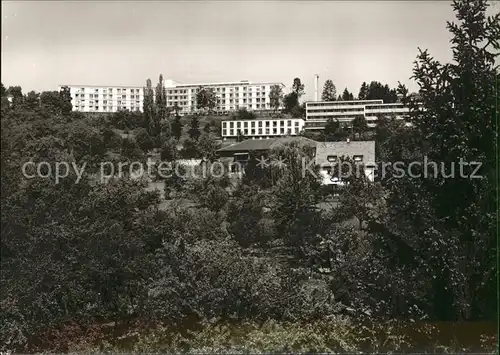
{"x": 106, "y": 99}
{"x": 229, "y": 128}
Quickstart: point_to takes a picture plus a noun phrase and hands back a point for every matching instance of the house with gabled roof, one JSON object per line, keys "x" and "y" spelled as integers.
{"x": 330, "y": 153}
{"x": 326, "y": 153}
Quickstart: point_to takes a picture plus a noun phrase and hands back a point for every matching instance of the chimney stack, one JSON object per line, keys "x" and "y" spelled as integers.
{"x": 316, "y": 83}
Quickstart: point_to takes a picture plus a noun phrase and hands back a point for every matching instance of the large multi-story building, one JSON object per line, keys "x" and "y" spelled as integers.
{"x": 231, "y": 96}
{"x": 262, "y": 128}
{"x": 89, "y": 98}
{"x": 318, "y": 112}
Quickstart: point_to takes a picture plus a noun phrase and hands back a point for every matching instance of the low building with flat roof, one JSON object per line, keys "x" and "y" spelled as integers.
{"x": 319, "y": 112}
{"x": 261, "y": 128}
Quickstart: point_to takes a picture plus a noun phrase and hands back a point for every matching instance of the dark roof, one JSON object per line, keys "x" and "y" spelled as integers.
{"x": 265, "y": 144}
{"x": 347, "y": 149}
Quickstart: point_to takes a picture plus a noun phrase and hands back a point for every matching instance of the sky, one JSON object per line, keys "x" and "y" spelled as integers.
{"x": 46, "y": 44}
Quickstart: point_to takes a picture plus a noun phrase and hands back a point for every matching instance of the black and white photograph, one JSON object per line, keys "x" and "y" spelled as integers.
{"x": 249, "y": 177}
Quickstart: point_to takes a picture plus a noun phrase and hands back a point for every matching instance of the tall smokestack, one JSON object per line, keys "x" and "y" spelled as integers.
{"x": 316, "y": 83}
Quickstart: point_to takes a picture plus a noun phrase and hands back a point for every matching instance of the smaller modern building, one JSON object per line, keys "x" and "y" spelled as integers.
{"x": 262, "y": 128}
{"x": 329, "y": 154}
{"x": 318, "y": 112}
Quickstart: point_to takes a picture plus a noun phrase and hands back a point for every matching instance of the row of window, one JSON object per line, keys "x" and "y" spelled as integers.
{"x": 245, "y": 124}
{"x": 220, "y": 106}
{"x": 343, "y": 103}
{"x": 252, "y": 132}
{"x": 320, "y": 110}
{"x": 223, "y": 100}
{"x": 105, "y": 102}
{"x": 216, "y": 89}
{"x": 310, "y": 124}
{"x": 338, "y": 117}
{"x": 105, "y": 108}
{"x": 261, "y": 95}
{"x": 388, "y": 106}
{"x": 111, "y": 90}
{"x": 106, "y": 96}
{"x": 334, "y": 158}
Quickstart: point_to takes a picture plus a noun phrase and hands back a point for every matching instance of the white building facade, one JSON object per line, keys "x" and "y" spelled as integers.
{"x": 317, "y": 113}
{"x": 231, "y": 96}
{"x": 262, "y": 128}
{"x": 106, "y": 98}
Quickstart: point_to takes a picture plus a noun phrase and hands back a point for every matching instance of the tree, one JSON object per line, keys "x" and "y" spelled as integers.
{"x": 149, "y": 108}
{"x": 65, "y": 100}
{"x": 290, "y": 102}
{"x": 240, "y": 137}
{"x": 49, "y": 100}
{"x": 377, "y": 90}
{"x": 255, "y": 173}
{"x": 299, "y": 111}
{"x": 244, "y": 114}
{"x": 360, "y": 125}
{"x": 332, "y": 131}
{"x": 359, "y": 195}
{"x": 144, "y": 140}
{"x": 206, "y": 98}
{"x": 363, "y": 91}
{"x": 5, "y": 101}
{"x": 207, "y": 127}
{"x": 190, "y": 149}
{"x": 329, "y": 91}
{"x": 32, "y": 100}
{"x": 130, "y": 149}
{"x": 347, "y": 96}
{"x": 169, "y": 150}
{"x": 449, "y": 236}
{"x": 176, "y": 127}
{"x": 194, "y": 130}
{"x": 295, "y": 196}
{"x": 298, "y": 88}
{"x": 176, "y": 108}
{"x": 57, "y": 102}
{"x": 208, "y": 147}
{"x": 17, "y": 96}
{"x": 160, "y": 102}
{"x": 245, "y": 214}
{"x": 276, "y": 97}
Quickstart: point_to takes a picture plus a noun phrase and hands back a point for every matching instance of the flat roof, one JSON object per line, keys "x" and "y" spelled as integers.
{"x": 103, "y": 86}
{"x": 225, "y": 118}
{"x": 227, "y": 83}
{"x": 265, "y": 144}
{"x": 177, "y": 84}
{"x": 375, "y": 101}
